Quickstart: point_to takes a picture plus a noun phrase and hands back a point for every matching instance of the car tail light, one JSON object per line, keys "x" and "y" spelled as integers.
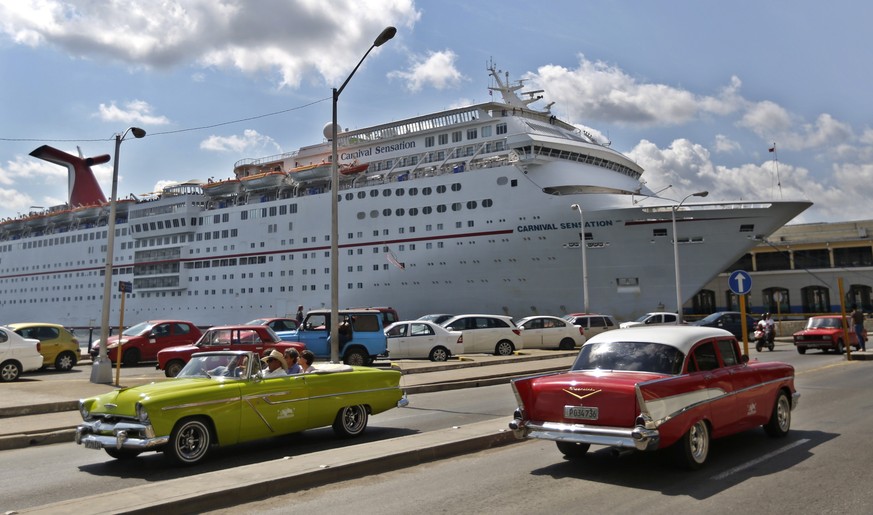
{"x": 517, "y": 332}
{"x": 38, "y": 348}
{"x": 581, "y": 331}
{"x": 460, "y": 339}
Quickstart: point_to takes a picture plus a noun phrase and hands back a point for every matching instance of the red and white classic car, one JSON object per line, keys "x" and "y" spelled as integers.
{"x": 649, "y": 388}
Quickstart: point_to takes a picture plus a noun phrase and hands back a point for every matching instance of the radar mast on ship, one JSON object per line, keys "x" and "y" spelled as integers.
{"x": 507, "y": 89}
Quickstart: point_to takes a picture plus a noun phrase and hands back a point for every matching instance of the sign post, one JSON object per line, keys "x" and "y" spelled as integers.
{"x": 740, "y": 283}
{"x": 124, "y": 287}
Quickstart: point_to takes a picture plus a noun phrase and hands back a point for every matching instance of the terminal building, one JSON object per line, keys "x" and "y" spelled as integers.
{"x": 798, "y": 270}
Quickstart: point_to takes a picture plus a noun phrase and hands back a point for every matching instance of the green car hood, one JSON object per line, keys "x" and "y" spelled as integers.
{"x": 125, "y": 400}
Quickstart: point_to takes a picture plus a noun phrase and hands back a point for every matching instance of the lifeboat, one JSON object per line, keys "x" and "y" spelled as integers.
{"x": 310, "y": 172}
{"x": 87, "y": 212}
{"x": 264, "y": 180}
{"x": 353, "y": 168}
{"x": 222, "y": 188}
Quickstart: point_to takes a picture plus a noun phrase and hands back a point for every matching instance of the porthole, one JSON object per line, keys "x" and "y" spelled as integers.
{"x": 374, "y": 214}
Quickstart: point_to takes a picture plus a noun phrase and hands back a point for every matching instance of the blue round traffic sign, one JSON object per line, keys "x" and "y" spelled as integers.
{"x": 740, "y": 282}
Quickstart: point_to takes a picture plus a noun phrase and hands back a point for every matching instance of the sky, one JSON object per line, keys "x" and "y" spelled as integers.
{"x": 696, "y": 92}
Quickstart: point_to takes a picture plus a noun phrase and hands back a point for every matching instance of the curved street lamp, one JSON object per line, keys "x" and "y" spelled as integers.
{"x": 101, "y": 368}
{"x": 386, "y": 34}
{"x": 583, "y": 245}
{"x": 676, "y": 252}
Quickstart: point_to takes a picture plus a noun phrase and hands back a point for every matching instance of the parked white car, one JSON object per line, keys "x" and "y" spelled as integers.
{"x": 423, "y": 339}
{"x": 592, "y": 324}
{"x": 17, "y": 355}
{"x": 548, "y": 332}
{"x": 491, "y": 334}
{"x": 656, "y": 318}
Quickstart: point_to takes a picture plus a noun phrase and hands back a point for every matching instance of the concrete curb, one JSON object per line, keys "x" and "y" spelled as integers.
{"x": 19, "y": 441}
{"x": 68, "y": 434}
{"x": 39, "y": 409}
{"x": 212, "y": 490}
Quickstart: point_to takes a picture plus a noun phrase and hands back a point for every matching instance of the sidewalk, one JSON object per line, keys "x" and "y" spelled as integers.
{"x": 37, "y": 412}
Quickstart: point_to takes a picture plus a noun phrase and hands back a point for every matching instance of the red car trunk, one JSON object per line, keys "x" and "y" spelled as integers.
{"x": 614, "y": 398}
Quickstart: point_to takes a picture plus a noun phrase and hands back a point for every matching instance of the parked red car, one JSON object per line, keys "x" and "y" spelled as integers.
{"x": 143, "y": 341}
{"x": 826, "y": 333}
{"x": 649, "y": 388}
{"x": 254, "y": 338}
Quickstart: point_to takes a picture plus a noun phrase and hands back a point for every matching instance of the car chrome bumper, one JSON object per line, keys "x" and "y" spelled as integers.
{"x": 638, "y": 438}
{"x": 100, "y": 435}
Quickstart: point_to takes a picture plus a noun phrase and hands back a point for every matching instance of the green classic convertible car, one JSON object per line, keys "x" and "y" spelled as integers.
{"x": 221, "y": 398}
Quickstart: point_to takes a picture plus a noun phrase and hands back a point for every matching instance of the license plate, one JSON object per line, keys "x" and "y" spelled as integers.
{"x": 581, "y": 412}
{"x": 92, "y": 444}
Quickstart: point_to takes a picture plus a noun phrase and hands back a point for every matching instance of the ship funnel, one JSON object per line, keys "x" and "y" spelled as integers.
{"x": 83, "y": 187}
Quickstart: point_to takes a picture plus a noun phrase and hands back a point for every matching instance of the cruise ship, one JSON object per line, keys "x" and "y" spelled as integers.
{"x": 464, "y": 210}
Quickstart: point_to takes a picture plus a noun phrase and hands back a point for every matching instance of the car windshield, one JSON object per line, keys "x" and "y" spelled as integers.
{"x": 820, "y": 323}
{"x": 258, "y": 321}
{"x": 437, "y": 319}
{"x": 215, "y": 365}
{"x": 630, "y": 356}
{"x": 138, "y": 329}
{"x": 643, "y": 318}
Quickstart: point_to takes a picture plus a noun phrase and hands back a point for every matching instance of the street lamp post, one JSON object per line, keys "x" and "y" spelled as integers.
{"x": 386, "y": 34}
{"x": 101, "y": 368}
{"x": 582, "y": 244}
{"x": 676, "y": 252}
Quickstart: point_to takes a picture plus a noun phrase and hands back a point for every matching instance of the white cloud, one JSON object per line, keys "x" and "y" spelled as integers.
{"x": 597, "y": 91}
{"x": 437, "y": 70}
{"x": 134, "y": 112}
{"x": 723, "y": 144}
{"x": 250, "y": 140}
{"x": 291, "y": 38}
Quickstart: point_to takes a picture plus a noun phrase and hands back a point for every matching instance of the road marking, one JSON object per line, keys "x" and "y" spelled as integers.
{"x": 744, "y": 466}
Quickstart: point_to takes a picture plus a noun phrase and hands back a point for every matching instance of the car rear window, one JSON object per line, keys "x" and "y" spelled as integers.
{"x": 365, "y": 323}
{"x": 630, "y": 356}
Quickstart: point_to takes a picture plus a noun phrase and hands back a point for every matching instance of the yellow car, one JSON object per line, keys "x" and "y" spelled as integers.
{"x": 58, "y": 346}
{"x": 223, "y": 398}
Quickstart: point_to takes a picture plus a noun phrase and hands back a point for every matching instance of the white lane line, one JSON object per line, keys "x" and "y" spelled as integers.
{"x": 756, "y": 461}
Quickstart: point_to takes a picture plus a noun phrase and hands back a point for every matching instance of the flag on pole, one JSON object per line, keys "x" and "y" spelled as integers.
{"x": 772, "y": 149}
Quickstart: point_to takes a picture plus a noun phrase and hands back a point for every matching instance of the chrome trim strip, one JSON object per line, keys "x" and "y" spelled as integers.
{"x": 198, "y": 404}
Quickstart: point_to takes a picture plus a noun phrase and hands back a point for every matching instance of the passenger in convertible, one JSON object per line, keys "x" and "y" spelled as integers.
{"x": 276, "y": 365}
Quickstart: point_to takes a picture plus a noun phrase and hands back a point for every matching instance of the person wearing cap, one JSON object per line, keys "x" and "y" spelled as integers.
{"x": 291, "y": 356}
{"x": 276, "y": 364}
